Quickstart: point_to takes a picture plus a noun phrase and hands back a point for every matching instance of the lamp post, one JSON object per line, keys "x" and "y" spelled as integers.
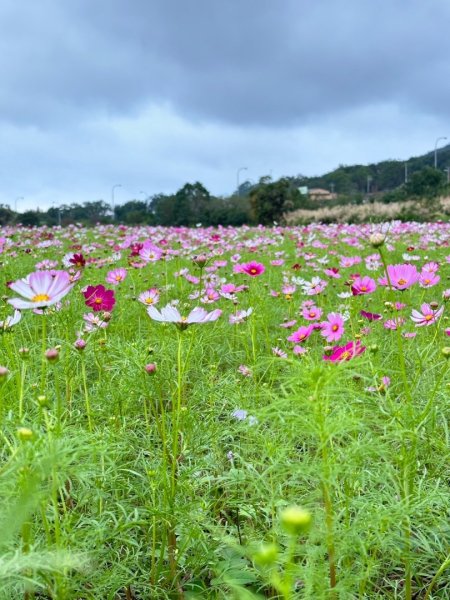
{"x": 112, "y": 198}
{"x": 15, "y": 202}
{"x": 435, "y": 149}
{"x": 237, "y": 178}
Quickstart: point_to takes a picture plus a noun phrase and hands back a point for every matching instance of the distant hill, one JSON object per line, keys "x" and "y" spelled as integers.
{"x": 379, "y": 177}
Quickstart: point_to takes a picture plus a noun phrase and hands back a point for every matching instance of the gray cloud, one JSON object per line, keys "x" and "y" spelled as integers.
{"x": 202, "y": 87}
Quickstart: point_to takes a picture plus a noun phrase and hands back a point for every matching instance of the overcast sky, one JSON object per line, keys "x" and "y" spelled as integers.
{"x": 151, "y": 94}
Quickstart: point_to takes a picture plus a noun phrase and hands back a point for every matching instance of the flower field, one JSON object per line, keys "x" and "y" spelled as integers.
{"x": 225, "y": 413}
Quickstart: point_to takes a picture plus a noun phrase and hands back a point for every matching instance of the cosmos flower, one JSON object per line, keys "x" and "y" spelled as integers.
{"x": 40, "y": 289}
{"x": 428, "y": 279}
{"x": 333, "y": 329}
{"x": 240, "y": 316}
{"x": 252, "y": 268}
{"x": 10, "y": 321}
{"x": 99, "y": 298}
{"x": 347, "y": 352}
{"x": 363, "y": 285}
{"x": 301, "y": 334}
{"x": 94, "y": 322}
{"x": 312, "y": 314}
{"x": 115, "y": 276}
{"x": 370, "y": 316}
{"x": 149, "y": 297}
{"x": 170, "y": 314}
{"x": 428, "y": 316}
{"x": 402, "y": 277}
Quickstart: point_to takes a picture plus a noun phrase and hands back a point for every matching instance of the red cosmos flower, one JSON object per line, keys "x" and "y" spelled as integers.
{"x": 99, "y": 298}
{"x": 78, "y": 260}
{"x": 346, "y": 352}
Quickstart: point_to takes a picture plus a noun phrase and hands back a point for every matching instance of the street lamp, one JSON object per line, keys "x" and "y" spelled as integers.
{"x": 112, "y": 198}
{"x": 435, "y": 150}
{"x": 15, "y": 202}
{"x": 237, "y": 178}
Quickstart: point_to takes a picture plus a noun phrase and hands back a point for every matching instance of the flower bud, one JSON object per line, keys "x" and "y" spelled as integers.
{"x": 377, "y": 239}
{"x": 42, "y": 401}
{"x": 25, "y": 434}
{"x": 266, "y": 555}
{"x": 80, "y": 344}
{"x": 150, "y": 368}
{"x": 295, "y": 520}
{"x": 3, "y": 372}
{"x": 52, "y": 354}
{"x": 446, "y": 351}
{"x": 24, "y": 352}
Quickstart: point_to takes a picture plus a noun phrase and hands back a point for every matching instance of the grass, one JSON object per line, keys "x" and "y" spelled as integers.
{"x": 119, "y": 484}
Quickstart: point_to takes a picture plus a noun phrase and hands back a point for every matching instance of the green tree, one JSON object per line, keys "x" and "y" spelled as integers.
{"x": 428, "y": 182}
{"x": 270, "y": 200}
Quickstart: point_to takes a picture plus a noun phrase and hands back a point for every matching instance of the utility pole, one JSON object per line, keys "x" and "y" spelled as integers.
{"x": 435, "y": 149}
{"x": 237, "y": 178}
{"x": 112, "y": 199}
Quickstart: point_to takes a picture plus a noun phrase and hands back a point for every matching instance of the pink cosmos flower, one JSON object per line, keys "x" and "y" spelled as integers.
{"x": 363, "y": 285}
{"x": 253, "y": 268}
{"x": 40, "y": 289}
{"x": 299, "y": 350}
{"x": 94, "y": 322}
{"x": 115, "y": 276}
{"x": 99, "y": 298}
{"x": 428, "y": 316}
{"x": 312, "y": 314}
{"x": 301, "y": 334}
{"x": 170, "y": 314}
{"x": 244, "y": 370}
{"x": 210, "y": 295}
{"x": 333, "y": 329}
{"x": 394, "y": 323}
{"x": 278, "y": 352}
{"x": 288, "y": 324}
{"x": 402, "y": 277}
{"x": 150, "y": 253}
{"x": 428, "y": 279}
{"x": 347, "y": 352}
{"x": 332, "y": 272}
{"x": 149, "y": 297}
{"x": 447, "y": 331}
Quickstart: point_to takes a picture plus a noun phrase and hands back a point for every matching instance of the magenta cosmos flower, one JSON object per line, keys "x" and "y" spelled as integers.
{"x": 428, "y": 316}
{"x": 252, "y": 268}
{"x": 402, "y": 277}
{"x": 363, "y": 285}
{"x": 40, "y": 289}
{"x": 333, "y": 329}
{"x": 116, "y": 276}
{"x": 170, "y": 314}
{"x": 99, "y": 298}
{"x": 347, "y": 352}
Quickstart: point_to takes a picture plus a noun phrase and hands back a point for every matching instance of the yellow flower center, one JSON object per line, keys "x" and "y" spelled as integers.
{"x": 401, "y": 281}
{"x": 334, "y": 328}
{"x": 149, "y": 301}
{"x": 345, "y": 355}
{"x": 40, "y": 298}
{"x": 428, "y": 317}
{"x": 253, "y": 271}
{"x": 98, "y": 301}
{"x": 118, "y": 277}
{"x": 363, "y": 288}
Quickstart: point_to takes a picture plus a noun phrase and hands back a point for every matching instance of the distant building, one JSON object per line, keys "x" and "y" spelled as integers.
{"x": 321, "y": 194}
